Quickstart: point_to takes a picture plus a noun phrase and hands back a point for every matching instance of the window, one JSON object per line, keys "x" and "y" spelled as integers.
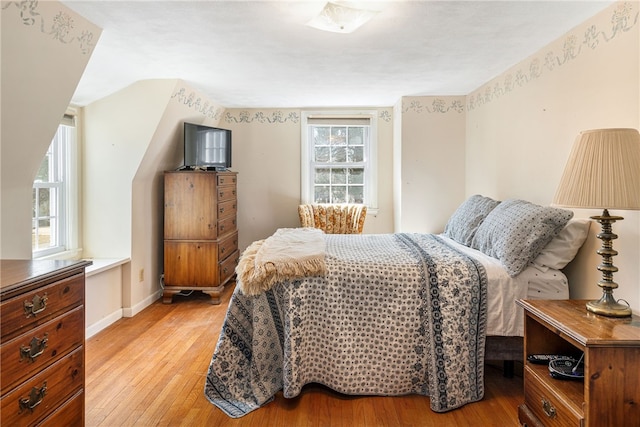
{"x": 338, "y": 158}
{"x": 53, "y": 195}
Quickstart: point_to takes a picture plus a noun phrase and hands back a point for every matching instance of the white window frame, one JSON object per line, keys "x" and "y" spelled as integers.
{"x": 64, "y": 152}
{"x": 370, "y": 161}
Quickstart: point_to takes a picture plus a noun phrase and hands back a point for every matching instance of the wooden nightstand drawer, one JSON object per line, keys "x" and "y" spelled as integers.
{"x": 41, "y": 395}
{"x": 40, "y": 347}
{"x": 23, "y": 312}
{"x": 550, "y": 408}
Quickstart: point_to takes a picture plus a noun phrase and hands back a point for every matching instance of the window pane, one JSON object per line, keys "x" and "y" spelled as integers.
{"x": 338, "y": 176}
{"x": 44, "y": 233}
{"x": 355, "y": 154}
{"x": 339, "y": 154}
{"x": 356, "y": 194}
{"x": 356, "y": 135}
{"x": 44, "y": 202}
{"x": 323, "y": 176}
{"x": 322, "y": 154}
{"x": 43, "y": 172}
{"x": 322, "y": 194}
{"x": 321, "y": 135}
{"x": 339, "y": 194}
{"x": 356, "y": 175}
{"x": 339, "y": 136}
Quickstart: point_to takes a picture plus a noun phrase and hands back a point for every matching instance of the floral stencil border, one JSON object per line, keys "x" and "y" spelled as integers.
{"x": 62, "y": 26}
{"x": 622, "y": 21}
{"x": 197, "y": 103}
{"x": 438, "y": 105}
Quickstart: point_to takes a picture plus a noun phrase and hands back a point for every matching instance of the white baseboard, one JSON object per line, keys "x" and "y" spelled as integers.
{"x": 102, "y": 324}
{"x": 130, "y": 312}
{"x": 117, "y": 315}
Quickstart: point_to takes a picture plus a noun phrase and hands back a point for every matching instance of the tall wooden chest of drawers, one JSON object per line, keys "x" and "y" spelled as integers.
{"x": 200, "y": 232}
{"x": 42, "y": 349}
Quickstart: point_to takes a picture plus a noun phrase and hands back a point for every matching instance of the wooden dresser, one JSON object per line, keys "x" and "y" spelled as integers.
{"x": 609, "y": 395}
{"x": 42, "y": 348}
{"x": 200, "y": 232}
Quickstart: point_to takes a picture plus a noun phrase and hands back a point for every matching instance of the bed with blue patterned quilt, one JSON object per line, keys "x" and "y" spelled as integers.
{"x": 393, "y": 314}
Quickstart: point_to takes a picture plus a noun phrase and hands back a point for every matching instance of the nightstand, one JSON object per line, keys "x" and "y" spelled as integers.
{"x": 610, "y": 392}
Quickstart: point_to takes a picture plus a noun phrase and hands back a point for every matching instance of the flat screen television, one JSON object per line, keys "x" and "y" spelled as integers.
{"x": 206, "y": 147}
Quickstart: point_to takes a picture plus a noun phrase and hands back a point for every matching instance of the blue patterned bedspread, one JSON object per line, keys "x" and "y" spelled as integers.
{"x": 395, "y": 314}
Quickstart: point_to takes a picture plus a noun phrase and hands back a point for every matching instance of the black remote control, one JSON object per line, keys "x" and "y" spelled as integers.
{"x": 543, "y": 359}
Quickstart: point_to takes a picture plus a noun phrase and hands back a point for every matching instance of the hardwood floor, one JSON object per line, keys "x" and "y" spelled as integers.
{"x": 150, "y": 370}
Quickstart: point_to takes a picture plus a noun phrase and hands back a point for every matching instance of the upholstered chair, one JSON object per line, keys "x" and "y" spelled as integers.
{"x": 344, "y": 218}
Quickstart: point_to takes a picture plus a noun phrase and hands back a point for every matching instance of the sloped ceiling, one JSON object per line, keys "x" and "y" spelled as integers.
{"x": 261, "y": 54}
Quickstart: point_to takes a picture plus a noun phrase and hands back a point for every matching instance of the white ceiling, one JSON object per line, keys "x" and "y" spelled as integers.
{"x": 261, "y": 54}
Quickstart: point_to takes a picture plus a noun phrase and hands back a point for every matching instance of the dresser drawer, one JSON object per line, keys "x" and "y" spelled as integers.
{"x": 545, "y": 404}
{"x": 38, "y": 397}
{"x": 227, "y": 193}
{"x": 31, "y": 352}
{"x": 71, "y": 414}
{"x": 227, "y": 246}
{"x": 228, "y": 267}
{"x": 227, "y": 209}
{"x": 227, "y": 225}
{"x": 23, "y": 312}
{"x": 227, "y": 179}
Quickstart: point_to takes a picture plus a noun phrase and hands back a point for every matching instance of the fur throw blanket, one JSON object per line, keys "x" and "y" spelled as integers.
{"x": 288, "y": 254}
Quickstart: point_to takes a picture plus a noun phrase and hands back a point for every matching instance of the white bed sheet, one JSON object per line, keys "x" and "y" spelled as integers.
{"x": 504, "y": 317}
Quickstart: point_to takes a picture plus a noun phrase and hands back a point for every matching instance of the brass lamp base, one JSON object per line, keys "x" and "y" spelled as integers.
{"x": 607, "y": 306}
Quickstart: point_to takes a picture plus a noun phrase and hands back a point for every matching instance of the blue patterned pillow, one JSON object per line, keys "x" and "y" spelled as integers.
{"x": 464, "y": 222}
{"x": 516, "y": 231}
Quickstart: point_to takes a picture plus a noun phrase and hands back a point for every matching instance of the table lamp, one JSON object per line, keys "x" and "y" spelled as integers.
{"x": 603, "y": 172}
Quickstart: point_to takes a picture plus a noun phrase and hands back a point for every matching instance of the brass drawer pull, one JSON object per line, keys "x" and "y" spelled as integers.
{"x": 37, "y": 305}
{"x": 548, "y": 409}
{"x": 34, "y": 399}
{"x": 34, "y": 349}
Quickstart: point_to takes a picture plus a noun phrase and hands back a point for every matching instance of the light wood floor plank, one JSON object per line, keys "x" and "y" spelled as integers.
{"x": 150, "y": 370}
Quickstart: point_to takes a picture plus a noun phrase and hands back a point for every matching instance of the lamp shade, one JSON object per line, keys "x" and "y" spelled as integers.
{"x": 603, "y": 171}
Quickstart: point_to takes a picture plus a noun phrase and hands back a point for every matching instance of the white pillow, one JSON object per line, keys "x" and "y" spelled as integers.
{"x": 564, "y": 247}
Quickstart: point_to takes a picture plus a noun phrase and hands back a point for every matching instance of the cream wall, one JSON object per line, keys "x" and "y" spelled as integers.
{"x": 521, "y": 126}
{"x": 266, "y": 155}
{"x": 43, "y": 57}
{"x": 431, "y": 162}
{"x": 130, "y": 139}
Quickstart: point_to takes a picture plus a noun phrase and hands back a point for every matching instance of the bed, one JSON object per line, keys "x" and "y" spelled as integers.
{"x": 389, "y": 314}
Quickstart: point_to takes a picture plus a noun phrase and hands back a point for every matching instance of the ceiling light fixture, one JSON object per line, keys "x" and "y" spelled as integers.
{"x": 339, "y": 18}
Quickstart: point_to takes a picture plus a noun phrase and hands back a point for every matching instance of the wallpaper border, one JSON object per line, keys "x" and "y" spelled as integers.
{"x": 622, "y": 21}
{"x": 61, "y": 27}
{"x": 279, "y": 117}
{"x": 197, "y": 103}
